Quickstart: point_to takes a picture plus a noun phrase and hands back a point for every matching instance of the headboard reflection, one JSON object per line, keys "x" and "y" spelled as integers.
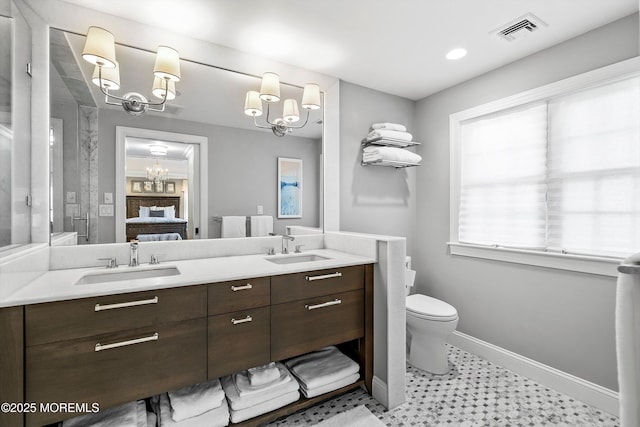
{"x": 134, "y": 203}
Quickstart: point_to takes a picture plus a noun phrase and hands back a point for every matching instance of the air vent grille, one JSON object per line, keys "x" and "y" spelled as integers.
{"x": 520, "y": 27}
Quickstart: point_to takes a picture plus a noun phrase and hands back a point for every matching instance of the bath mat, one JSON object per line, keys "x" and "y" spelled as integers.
{"x": 356, "y": 417}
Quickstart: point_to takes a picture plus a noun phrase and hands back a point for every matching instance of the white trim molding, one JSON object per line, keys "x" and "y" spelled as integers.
{"x": 593, "y": 394}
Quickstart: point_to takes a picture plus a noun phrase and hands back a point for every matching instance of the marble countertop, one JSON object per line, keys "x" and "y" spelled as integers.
{"x": 57, "y": 285}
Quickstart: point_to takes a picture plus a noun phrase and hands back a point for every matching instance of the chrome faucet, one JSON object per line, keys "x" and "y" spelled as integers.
{"x": 133, "y": 254}
{"x": 285, "y": 243}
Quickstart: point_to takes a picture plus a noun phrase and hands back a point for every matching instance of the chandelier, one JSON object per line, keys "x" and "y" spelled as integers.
{"x": 157, "y": 174}
{"x": 270, "y": 93}
{"x": 100, "y": 50}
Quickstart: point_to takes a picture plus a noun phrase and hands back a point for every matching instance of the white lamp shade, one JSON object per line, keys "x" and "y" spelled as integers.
{"x": 159, "y": 86}
{"x": 110, "y": 77}
{"x": 167, "y": 64}
{"x": 311, "y": 97}
{"x": 253, "y": 104}
{"x": 270, "y": 87}
{"x": 290, "y": 111}
{"x": 100, "y": 48}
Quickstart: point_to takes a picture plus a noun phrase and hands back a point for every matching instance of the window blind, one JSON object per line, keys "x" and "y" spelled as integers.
{"x": 503, "y": 172}
{"x": 594, "y": 170}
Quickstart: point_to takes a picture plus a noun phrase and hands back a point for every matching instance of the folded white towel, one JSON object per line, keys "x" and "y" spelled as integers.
{"x": 119, "y": 416}
{"x": 218, "y": 417}
{"x": 628, "y": 344}
{"x": 152, "y": 419}
{"x": 263, "y": 375}
{"x": 245, "y": 388}
{"x": 238, "y": 416}
{"x": 375, "y": 153}
{"x": 387, "y": 133}
{"x": 261, "y": 225}
{"x": 234, "y": 226}
{"x": 317, "y": 391}
{"x": 322, "y": 367}
{"x": 237, "y": 402}
{"x": 194, "y": 400}
{"x": 141, "y": 413}
{"x": 390, "y": 126}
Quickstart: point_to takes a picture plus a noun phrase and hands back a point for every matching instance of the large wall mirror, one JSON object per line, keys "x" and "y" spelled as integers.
{"x": 199, "y": 161}
{"x": 6, "y": 129}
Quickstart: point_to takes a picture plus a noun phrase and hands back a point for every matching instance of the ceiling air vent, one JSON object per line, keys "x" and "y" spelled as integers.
{"x": 519, "y": 28}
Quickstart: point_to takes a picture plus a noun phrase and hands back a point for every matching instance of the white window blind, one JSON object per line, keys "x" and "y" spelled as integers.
{"x": 502, "y": 195}
{"x": 594, "y": 170}
{"x": 562, "y": 174}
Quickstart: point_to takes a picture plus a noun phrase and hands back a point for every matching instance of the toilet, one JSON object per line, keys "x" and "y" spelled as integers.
{"x": 430, "y": 322}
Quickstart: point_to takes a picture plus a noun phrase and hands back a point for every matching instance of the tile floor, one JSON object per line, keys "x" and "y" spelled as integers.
{"x": 475, "y": 392}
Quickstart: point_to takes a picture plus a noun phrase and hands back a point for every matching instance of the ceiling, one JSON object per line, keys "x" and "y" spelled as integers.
{"x": 395, "y": 47}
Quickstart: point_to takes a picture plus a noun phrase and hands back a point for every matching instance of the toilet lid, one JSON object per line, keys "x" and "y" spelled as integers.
{"x": 430, "y": 308}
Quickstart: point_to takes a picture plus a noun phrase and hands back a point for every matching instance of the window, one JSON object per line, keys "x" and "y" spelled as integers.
{"x": 555, "y": 170}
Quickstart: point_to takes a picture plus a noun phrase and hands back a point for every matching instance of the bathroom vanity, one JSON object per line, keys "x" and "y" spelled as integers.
{"x": 119, "y": 347}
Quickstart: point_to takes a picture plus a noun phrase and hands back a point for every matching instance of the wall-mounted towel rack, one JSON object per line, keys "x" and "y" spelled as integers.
{"x": 389, "y": 142}
{"x": 390, "y": 163}
{"x": 84, "y": 218}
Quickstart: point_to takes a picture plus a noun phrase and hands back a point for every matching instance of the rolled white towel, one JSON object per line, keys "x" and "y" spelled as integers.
{"x": 262, "y": 375}
{"x": 387, "y": 133}
{"x": 390, "y": 126}
{"x": 237, "y": 402}
{"x": 375, "y": 153}
{"x": 119, "y": 416}
{"x": 218, "y": 417}
{"x": 245, "y": 388}
{"x": 194, "y": 400}
{"x": 240, "y": 415}
{"x": 322, "y": 367}
{"x": 317, "y": 391}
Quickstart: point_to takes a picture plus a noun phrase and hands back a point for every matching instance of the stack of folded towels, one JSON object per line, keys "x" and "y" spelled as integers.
{"x": 323, "y": 371}
{"x": 395, "y": 136}
{"x": 132, "y": 414}
{"x": 259, "y": 390}
{"x": 197, "y": 405}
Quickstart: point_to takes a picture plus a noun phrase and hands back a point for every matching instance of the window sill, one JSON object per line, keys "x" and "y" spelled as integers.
{"x": 585, "y": 264}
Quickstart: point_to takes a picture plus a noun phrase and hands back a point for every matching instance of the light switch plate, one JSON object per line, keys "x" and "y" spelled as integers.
{"x": 71, "y": 209}
{"x": 105, "y": 210}
{"x": 71, "y": 197}
{"x": 260, "y": 209}
{"x": 108, "y": 198}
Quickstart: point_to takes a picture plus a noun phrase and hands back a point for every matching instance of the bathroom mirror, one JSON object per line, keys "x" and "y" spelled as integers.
{"x": 241, "y": 160}
{"x": 6, "y": 130}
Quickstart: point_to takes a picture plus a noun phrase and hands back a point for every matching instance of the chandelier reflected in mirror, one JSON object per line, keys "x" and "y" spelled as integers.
{"x": 100, "y": 50}
{"x": 157, "y": 174}
{"x": 270, "y": 93}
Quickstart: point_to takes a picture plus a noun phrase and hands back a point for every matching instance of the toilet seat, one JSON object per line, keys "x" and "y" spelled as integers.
{"x": 424, "y": 307}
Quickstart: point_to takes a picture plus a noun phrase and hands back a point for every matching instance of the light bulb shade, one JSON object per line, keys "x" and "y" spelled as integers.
{"x": 158, "y": 150}
{"x": 167, "y": 64}
{"x": 290, "y": 111}
{"x": 100, "y": 48}
{"x": 311, "y": 96}
{"x": 160, "y": 86}
{"x": 253, "y": 104}
{"x": 110, "y": 77}
{"x": 270, "y": 87}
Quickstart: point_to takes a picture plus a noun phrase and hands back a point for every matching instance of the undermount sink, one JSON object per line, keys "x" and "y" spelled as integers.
{"x": 130, "y": 274}
{"x": 293, "y": 259}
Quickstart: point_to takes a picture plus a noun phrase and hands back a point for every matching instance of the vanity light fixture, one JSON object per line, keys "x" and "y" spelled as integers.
{"x": 100, "y": 50}
{"x": 270, "y": 93}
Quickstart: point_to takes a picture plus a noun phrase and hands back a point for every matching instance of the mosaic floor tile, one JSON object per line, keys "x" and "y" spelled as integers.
{"x": 474, "y": 392}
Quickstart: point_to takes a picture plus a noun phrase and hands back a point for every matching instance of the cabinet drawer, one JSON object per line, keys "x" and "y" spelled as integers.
{"x": 237, "y": 295}
{"x": 298, "y": 286}
{"x": 78, "y": 371}
{"x": 302, "y": 326}
{"x": 65, "y": 320}
{"x": 238, "y": 340}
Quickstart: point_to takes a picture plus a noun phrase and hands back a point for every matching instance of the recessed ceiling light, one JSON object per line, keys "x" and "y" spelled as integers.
{"x": 456, "y": 54}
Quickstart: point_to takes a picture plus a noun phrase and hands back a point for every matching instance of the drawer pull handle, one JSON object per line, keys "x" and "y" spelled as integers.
{"x": 322, "y": 305}
{"x": 99, "y": 307}
{"x": 242, "y": 288}
{"x": 100, "y": 347}
{"x": 245, "y": 320}
{"x": 324, "y": 276}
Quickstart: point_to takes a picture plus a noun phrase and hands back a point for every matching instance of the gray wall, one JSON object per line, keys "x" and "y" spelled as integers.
{"x": 242, "y": 168}
{"x": 374, "y": 199}
{"x": 562, "y": 319}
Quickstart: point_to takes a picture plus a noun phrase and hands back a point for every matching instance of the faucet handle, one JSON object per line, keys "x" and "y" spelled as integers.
{"x": 298, "y": 251}
{"x": 271, "y": 250}
{"x": 111, "y": 262}
{"x": 155, "y": 259}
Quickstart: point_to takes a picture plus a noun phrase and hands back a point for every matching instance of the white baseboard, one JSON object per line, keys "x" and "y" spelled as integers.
{"x": 380, "y": 391}
{"x": 600, "y": 397}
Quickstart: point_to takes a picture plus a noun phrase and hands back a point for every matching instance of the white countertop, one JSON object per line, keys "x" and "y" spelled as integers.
{"x": 57, "y": 285}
